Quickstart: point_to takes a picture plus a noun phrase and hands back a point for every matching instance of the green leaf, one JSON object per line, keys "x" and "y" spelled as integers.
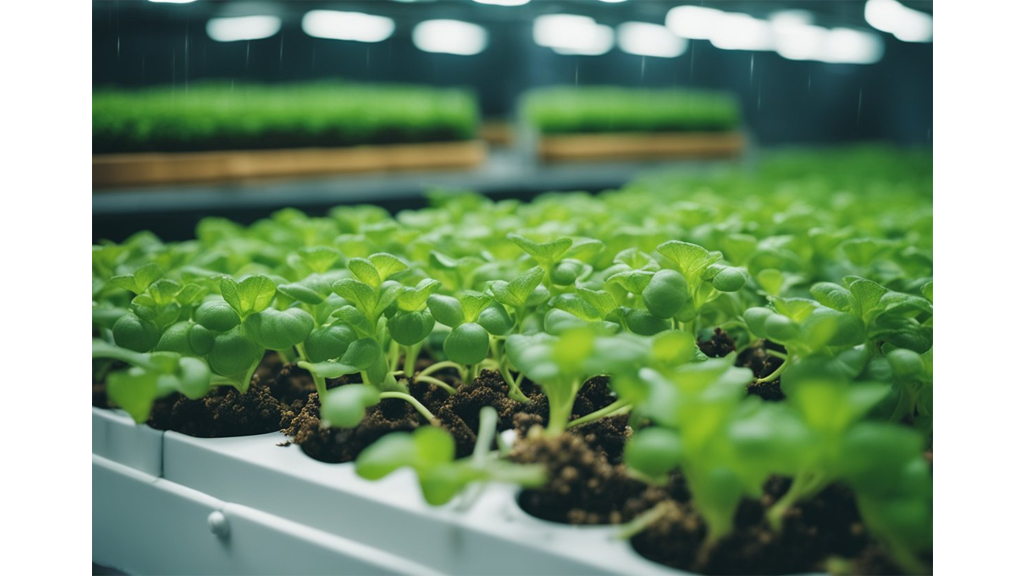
{"x": 558, "y": 321}
{"x": 178, "y": 338}
{"x": 577, "y": 306}
{"x": 328, "y": 369}
{"x": 634, "y": 281}
{"x": 672, "y": 348}
{"x": 644, "y": 323}
{"x": 356, "y": 320}
{"x": 829, "y": 407}
{"x": 414, "y": 299}
{"x": 567, "y": 271}
{"x": 387, "y": 265}
{"x": 299, "y": 292}
{"x": 134, "y": 390}
{"x": 473, "y": 303}
{"x": 164, "y": 291}
{"x": 279, "y": 329}
{"x": 139, "y": 280}
{"x": 249, "y": 296}
{"x": 362, "y": 353}
{"x": 389, "y": 453}
{"x": 328, "y": 342}
{"x": 599, "y": 299}
{"x": 585, "y": 249}
{"x": 467, "y": 344}
{"x": 729, "y": 279}
{"x": 516, "y": 292}
{"x": 756, "y": 318}
{"x": 409, "y": 328}
{"x": 927, "y": 291}
{"x": 446, "y": 310}
{"x": 666, "y": 294}
{"x": 543, "y": 252}
{"x": 495, "y": 319}
{"x": 217, "y": 315}
{"x": 233, "y": 353}
{"x": 434, "y": 446}
{"x": 344, "y": 407}
{"x": 136, "y": 334}
{"x": 365, "y": 271}
{"x": 319, "y": 258}
{"x": 690, "y": 258}
{"x": 654, "y": 451}
{"x": 866, "y": 295}
{"x": 833, "y": 295}
{"x": 771, "y": 281}
{"x": 189, "y": 294}
{"x": 360, "y": 294}
{"x": 193, "y": 378}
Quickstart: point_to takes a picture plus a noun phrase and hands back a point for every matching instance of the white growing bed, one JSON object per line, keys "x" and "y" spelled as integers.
{"x": 164, "y": 502}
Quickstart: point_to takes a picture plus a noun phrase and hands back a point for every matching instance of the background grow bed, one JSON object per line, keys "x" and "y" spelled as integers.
{"x": 605, "y": 122}
{"x": 215, "y": 132}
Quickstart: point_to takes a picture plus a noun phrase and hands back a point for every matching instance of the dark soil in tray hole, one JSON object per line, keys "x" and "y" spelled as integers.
{"x": 458, "y": 413}
{"x": 583, "y": 486}
{"x": 821, "y": 530}
{"x": 276, "y": 394}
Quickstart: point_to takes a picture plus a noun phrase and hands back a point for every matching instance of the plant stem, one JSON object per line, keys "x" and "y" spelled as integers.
{"x": 514, "y": 392}
{"x": 641, "y": 522}
{"x": 776, "y": 353}
{"x": 778, "y": 372}
{"x": 441, "y": 366}
{"x": 411, "y": 354}
{"x": 393, "y": 354}
{"x": 286, "y": 356}
{"x": 415, "y": 404}
{"x": 620, "y": 406}
{"x": 804, "y": 485}
{"x": 321, "y": 386}
{"x": 474, "y": 373}
{"x": 485, "y": 434}
{"x": 560, "y": 401}
{"x": 436, "y": 382}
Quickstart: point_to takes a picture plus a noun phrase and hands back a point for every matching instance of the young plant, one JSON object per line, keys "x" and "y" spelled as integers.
{"x": 430, "y": 452}
{"x": 561, "y": 364}
{"x": 475, "y": 319}
{"x": 692, "y": 405}
{"x": 899, "y": 319}
{"x": 244, "y": 326}
{"x": 151, "y": 376}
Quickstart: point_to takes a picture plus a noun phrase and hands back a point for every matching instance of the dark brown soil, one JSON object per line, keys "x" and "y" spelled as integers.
{"x": 762, "y": 364}
{"x": 719, "y": 345}
{"x": 459, "y": 414}
{"x": 274, "y": 396}
{"x": 827, "y": 526}
{"x": 583, "y": 487}
{"x": 222, "y": 413}
{"x": 343, "y": 445}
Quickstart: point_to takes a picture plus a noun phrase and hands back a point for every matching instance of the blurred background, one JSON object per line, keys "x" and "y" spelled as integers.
{"x": 798, "y": 73}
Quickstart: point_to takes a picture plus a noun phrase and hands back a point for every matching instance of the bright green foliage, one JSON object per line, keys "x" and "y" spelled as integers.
{"x": 579, "y": 109}
{"x": 820, "y": 263}
{"x": 217, "y": 116}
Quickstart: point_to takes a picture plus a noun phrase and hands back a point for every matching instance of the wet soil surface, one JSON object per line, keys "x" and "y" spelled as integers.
{"x": 459, "y": 414}
{"x": 826, "y": 526}
{"x": 275, "y": 394}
